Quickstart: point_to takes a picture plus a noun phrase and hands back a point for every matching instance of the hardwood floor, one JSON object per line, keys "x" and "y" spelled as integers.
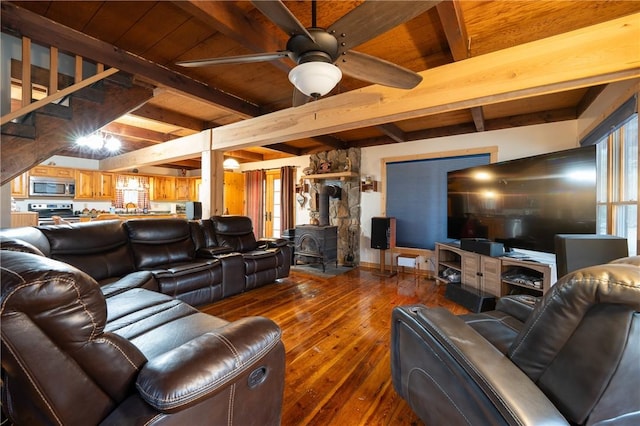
{"x": 336, "y": 333}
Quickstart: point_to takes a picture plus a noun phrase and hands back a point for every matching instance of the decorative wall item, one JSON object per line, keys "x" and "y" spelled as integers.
{"x": 325, "y": 167}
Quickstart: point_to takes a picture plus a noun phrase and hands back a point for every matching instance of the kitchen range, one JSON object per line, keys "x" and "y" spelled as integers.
{"x": 47, "y": 211}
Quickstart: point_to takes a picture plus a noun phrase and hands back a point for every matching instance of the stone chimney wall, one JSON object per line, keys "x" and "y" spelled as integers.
{"x": 345, "y": 211}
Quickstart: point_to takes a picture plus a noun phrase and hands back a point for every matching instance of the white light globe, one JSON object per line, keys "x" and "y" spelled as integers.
{"x": 315, "y": 79}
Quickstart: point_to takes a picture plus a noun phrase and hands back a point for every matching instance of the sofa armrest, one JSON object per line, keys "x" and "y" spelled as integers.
{"x": 213, "y": 252}
{"x": 273, "y": 242}
{"x": 518, "y": 306}
{"x": 202, "y": 367}
{"x": 483, "y": 368}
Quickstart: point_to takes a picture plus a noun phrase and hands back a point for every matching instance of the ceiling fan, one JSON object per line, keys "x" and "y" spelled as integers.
{"x": 323, "y": 55}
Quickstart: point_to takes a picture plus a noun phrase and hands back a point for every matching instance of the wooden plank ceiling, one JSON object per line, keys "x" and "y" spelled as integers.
{"x": 147, "y": 38}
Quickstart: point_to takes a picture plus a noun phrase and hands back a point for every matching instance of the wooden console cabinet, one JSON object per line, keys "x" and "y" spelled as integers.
{"x": 498, "y": 276}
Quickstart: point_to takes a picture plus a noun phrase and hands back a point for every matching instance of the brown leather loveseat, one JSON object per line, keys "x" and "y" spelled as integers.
{"x": 570, "y": 358}
{"x": 72, "y": 356}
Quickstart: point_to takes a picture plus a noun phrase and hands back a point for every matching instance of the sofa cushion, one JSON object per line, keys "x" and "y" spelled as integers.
{"x": 157, "y": 242}
{"x": 98, "y": 248}
{"x": 139, "y": 279}
{"x": 235, "y": 232}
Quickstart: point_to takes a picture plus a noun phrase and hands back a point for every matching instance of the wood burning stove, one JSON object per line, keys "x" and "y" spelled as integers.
{"x": 316, "y": 244}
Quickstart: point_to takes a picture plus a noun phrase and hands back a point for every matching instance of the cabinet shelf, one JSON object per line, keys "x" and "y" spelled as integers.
{"x": 499, "y": 276}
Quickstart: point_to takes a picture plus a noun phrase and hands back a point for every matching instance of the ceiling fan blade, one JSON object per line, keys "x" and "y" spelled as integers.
{"x": 299, "y": 98}
{"x": 375, "y": 70}
{"x": 278, "y": 13}
{"x": 241, "y": 59}
{"x": 373, "y": 18}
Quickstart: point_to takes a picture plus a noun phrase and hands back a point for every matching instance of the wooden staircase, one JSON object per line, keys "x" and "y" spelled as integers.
{"x": 43, "y": 128}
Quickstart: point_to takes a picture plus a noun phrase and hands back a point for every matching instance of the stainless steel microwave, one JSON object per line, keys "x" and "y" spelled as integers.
{"x": 40, "y": 186}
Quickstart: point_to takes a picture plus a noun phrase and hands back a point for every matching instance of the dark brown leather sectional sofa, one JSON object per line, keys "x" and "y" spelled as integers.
{"x": 197, "y": 262}
{"x": 98, "y": 328}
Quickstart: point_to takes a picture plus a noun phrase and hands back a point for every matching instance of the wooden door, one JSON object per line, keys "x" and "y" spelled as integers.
{"x": 272, "y": 204}
{"x": 233, "y": 193}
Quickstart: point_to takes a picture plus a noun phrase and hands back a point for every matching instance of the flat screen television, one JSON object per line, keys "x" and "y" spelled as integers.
{"x": 524, "y": 203}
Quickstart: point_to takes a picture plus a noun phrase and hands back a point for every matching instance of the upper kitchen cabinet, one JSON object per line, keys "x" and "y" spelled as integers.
{"x": 51, "y": 171}
{"x": 163, "y": 188}
{"x": 94, "y": 185}
{"x": 20, "y": 186}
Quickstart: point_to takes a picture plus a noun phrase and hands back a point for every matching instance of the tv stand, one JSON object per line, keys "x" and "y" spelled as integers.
{"x": 495, "y": 276}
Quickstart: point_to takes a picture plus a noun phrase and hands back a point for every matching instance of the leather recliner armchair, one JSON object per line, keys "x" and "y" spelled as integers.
{"x": 265, "y": 260}
{"x": 572, "y": 360}
{"x": 72, "y": 356}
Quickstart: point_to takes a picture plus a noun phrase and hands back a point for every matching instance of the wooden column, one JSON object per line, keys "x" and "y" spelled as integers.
{"x": 212, "y": 186}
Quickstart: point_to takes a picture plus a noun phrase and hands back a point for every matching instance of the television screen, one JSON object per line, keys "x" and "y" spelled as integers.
{"x": 524, "y": 203}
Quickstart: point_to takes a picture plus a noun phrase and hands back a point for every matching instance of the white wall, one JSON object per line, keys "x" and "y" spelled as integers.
{"x": 512, "y": 143}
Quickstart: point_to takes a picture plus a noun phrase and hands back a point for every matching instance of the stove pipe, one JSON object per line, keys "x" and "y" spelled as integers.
{"x": 326, "y": 191}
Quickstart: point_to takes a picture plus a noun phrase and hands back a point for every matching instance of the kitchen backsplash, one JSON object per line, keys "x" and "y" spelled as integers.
{"x": 80, "y": 205}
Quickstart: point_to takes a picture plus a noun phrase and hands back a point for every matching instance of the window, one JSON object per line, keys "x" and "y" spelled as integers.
{"x": 617, "y": 188}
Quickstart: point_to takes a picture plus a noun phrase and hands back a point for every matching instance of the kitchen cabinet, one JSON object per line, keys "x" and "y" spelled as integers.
{"x": 183, "y": 189}
{"x": 20, "y": 186}
{"x": 19, "y": 219}
{"x": 163, "y": 188}
{"x": 94, "y": 185}
{"x": 194, "y": 187}
{"x": 51, "y": 171}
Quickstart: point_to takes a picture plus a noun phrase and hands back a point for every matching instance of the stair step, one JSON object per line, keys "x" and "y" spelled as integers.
{"x": 121, "y": 78}
{"x": 21, "y": 130}
{"x": 55, "y": 110}
{"x": 94, "y": 94}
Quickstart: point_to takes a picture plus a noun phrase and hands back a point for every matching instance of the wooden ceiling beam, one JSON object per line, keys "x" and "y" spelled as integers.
{"x": 162, "y": 115}
{"x": 287, "y": 149}
{"x": 233, "y": 22}
{"x": 18, "y": 21}
{"x": 245, "y": 155}
{"x": 562, "y": 114}
{"x": 455, "y": 30}
{"x": 540, "y": 67}
{"x": 588, "y": 98}
{"x": 393, "y": 131}
{"x": 184, "y": 148}
{"x": 478, "y": 118}
{"x": 132, "y": 132}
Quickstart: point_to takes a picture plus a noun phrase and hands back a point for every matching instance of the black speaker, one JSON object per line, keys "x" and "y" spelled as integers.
{"x": 383, "y": 232}
{"x": 575, "y": 251}
{"x": 482, "y": 246}
{"x": 469, "y": 297}
{"x": 193, "y": 210}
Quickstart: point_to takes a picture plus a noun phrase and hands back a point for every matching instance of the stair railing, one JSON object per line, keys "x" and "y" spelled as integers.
{"x": 54, "y": 94}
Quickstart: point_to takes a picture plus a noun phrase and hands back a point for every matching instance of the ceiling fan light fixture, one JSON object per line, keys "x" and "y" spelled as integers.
{"x": 315, "y": 79}
{"x": 231, "y": 164}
